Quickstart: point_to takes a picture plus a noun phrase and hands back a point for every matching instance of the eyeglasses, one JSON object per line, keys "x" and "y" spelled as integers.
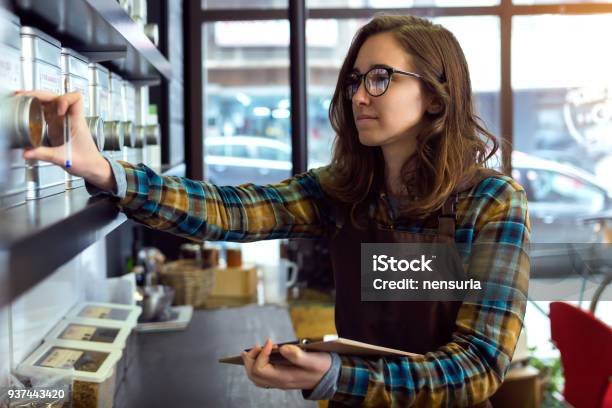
{"x": 376, "y": 80}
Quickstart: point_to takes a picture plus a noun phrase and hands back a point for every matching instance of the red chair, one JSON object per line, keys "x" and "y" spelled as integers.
{"x": 607, "y": 402}
{"x": 585, "y": 343}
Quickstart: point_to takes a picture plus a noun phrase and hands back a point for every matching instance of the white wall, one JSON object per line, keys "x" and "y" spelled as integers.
{"x": 24, "y": 324}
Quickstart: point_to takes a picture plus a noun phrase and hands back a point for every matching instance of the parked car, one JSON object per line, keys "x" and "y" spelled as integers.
{"x": 234, "y": 160}
{"x": 560, "y": 197}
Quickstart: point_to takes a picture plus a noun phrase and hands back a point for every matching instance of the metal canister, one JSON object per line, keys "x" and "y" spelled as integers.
{"x": 152, "y": 32}
{"x": 41, "y": 64}
{"x": 75, "y": 72}
{"x": 75, "y": 68}
{"x": 126, "y": 5}
{"x": 147, "y": 129}
{"x": 136, "y": 142}
{"x": 21, "y": 117}
{"x": 139, "y": 12}
{"x": 118, "y": 110}
{"x": 139, "y": 15}
{"x": 99, "y": 97}
{"x": 152, "y": 134}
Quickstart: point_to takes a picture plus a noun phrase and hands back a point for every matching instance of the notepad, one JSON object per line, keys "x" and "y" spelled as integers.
{"x": 330, "y": 343}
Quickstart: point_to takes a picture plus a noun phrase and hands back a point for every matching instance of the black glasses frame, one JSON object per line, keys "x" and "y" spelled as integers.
{"x": 361, "y": 79}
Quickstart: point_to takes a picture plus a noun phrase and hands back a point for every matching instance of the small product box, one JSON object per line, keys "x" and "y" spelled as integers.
{"x": 93, "y": 368}
{"x": 111, "y": 334}
{"x": 126, "y": 315}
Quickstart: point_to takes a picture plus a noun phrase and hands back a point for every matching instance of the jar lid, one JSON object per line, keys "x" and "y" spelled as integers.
{"x": 34, "y": 32}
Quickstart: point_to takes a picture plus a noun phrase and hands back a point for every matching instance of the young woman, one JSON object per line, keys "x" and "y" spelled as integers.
{"x": 408, "y": 166}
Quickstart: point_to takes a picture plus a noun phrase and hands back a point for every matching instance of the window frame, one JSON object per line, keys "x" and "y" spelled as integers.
{"x": 297, "y": 14}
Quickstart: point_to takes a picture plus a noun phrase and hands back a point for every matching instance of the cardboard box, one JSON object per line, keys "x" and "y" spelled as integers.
{"x": 238, "y": 282}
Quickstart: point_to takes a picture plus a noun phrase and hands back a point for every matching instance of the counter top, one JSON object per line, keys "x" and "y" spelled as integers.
{"x": 180, "y": 369}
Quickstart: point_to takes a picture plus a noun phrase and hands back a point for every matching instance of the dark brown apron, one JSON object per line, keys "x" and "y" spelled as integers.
{"x": 414, "y": 326}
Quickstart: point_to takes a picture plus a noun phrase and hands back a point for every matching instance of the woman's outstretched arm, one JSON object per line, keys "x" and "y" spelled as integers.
{"x": 204, "y": 211}
{"x": 194, "y": 209}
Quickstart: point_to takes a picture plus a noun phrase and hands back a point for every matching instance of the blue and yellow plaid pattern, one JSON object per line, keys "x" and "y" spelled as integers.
{"x": 492, "y": 221}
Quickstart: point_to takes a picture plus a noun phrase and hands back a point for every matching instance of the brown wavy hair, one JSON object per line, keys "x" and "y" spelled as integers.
{"x": 451, "y": 144}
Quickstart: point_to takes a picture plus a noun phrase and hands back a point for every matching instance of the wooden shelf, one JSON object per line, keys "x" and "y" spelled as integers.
{"x": 38, "y": 237}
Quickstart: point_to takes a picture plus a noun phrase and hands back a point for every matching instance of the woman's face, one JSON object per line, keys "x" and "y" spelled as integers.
{"x": 395, "y": 115}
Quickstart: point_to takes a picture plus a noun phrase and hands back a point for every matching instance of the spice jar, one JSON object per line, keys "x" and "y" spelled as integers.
{"x": 233, "y": 257}
{"x": 99, "y": 89}
{"x": 118, "y": 112}
{"x": 191, "y": 251}
{"x": 76, "y": 79}
{"x": 134, "y": 143}
{"x": 147, "y": 129}
{"x": 210, "y": 257}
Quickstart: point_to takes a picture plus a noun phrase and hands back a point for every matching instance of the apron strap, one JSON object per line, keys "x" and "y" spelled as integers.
{"x": 446, "y": 220}
{"x": 449, "y": 208}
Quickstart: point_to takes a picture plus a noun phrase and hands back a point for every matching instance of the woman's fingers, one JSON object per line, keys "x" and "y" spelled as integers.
{"x": 263, "y": 358}
{"x": 43, "y": 96}
{"x": 307, "y": 371}
{"x": 248, "y": 359}
{"x": 53, "y": 155}
{"x": 63, "y": 102}
{"x": 259, "y": 371}
{"x": 71, "y": 100}
{"x": 294, "y": 354}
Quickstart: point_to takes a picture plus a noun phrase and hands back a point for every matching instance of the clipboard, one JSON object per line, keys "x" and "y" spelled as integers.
{"x": 329, "y": 343}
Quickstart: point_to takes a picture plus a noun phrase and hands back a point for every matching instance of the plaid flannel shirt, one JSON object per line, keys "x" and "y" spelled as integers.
{"x": 492, "y": 220}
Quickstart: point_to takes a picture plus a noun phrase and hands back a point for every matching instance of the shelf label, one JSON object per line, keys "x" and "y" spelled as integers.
{"x": 61, "y": 358}
{"x": 97, "y": 312}
{"x": 10, "y": 69}
{"x": 75, "y": 332}
{"x": 49, "y": 79}
{"x": 80, "y": 85}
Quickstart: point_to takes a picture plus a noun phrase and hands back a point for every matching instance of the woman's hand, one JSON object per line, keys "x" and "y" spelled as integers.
{"x": 307, "y": 370}
{"x": 87, "y": 162}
